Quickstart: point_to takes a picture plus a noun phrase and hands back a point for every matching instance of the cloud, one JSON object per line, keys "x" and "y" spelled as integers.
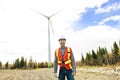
{"x": 113, "y": 18}
{"x": 90, "y": 38}
{"x": 109, "y": 8}
{"x": 23, "y": 32}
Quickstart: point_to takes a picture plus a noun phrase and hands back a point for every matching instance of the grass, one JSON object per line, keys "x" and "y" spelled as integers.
{"x": 47, "y": 74}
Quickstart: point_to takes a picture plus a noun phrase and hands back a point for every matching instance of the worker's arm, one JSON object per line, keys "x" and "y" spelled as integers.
{"x": 73, "y": 62}
{"x": 55, "y": 64}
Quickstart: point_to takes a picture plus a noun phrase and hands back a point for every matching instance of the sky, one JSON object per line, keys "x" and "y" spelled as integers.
{"x": 86, "y": 24}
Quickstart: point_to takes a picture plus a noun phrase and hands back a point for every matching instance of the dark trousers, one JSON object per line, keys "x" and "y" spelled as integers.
{"x": 64, "y": 72}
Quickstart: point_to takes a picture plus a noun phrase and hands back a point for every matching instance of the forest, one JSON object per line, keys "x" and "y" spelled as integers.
{"x": 100, "y": 57}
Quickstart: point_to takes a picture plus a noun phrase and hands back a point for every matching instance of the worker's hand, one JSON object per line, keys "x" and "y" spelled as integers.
{"x": 55, "y": 75}
{"x": 73, "y": 73}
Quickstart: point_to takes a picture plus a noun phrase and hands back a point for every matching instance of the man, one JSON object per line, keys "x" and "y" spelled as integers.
{"x": 65, "y": 59}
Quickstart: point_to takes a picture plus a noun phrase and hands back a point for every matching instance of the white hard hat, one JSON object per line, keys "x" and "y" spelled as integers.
{"x": 62, "y": 38}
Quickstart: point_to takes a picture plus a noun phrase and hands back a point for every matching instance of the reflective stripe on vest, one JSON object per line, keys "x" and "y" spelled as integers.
{"x": 69, "y": 61}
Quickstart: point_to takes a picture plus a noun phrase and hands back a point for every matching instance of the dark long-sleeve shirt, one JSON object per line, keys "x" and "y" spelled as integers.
{"x": 72, "y": 60}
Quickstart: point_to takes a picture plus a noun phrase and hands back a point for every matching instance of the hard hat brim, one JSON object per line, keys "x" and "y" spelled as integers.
{"x": 62, "y": 39}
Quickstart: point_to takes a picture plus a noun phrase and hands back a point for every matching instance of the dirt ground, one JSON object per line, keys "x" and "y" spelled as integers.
{"x": 47, "y": 74}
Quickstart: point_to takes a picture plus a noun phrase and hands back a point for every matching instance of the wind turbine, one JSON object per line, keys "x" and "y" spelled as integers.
{"x": 49, "y": 45}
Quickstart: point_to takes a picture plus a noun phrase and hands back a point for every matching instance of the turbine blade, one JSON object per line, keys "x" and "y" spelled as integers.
{"x": 39, "y": 13}
{"x": 54, "y": 14}
{"x": 52, "y": 27}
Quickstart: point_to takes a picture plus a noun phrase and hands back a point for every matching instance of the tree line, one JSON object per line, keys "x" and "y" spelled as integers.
{"x": 22, "y": 63}
{"x": 101, "y": 57}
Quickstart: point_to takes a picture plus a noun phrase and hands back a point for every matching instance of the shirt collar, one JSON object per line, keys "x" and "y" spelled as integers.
{"x": 62, "y": 47}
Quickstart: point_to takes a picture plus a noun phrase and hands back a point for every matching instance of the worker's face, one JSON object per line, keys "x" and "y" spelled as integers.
{"x": 62, "y": 42}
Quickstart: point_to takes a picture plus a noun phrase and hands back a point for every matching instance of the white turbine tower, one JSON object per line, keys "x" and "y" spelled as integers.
{"x": 49, "y": 45}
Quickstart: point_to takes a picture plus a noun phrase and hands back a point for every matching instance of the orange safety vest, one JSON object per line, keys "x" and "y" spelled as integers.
{"x": 64, "y": 60}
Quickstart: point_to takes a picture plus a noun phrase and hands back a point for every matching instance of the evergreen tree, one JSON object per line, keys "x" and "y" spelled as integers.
{"x": 25, "y": 63}
{"x": 115, "y": 51}
{"x": 94, "y": 54}
{"x": 0, "y": 65}
{"x": 31, "y": 65}
{"x": 41, "y": 65}
{"x": 106, "y": 56}
{"x": 82, "y": 59}
{"x": 94, "y": 57}
{"x": 119, "y": 43}
{"x": 17, "y": 63}
{"x": 88, "y": 58}
{"x": 100, "y": 55}
{"x": 38, "y": 65}
{"x": 6, "y": 65}
{"x": 45, "y": 65}
{"x": 115, "y": 48}
{"x": 22, "y": 63}
{"x": 35, "y": 65}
